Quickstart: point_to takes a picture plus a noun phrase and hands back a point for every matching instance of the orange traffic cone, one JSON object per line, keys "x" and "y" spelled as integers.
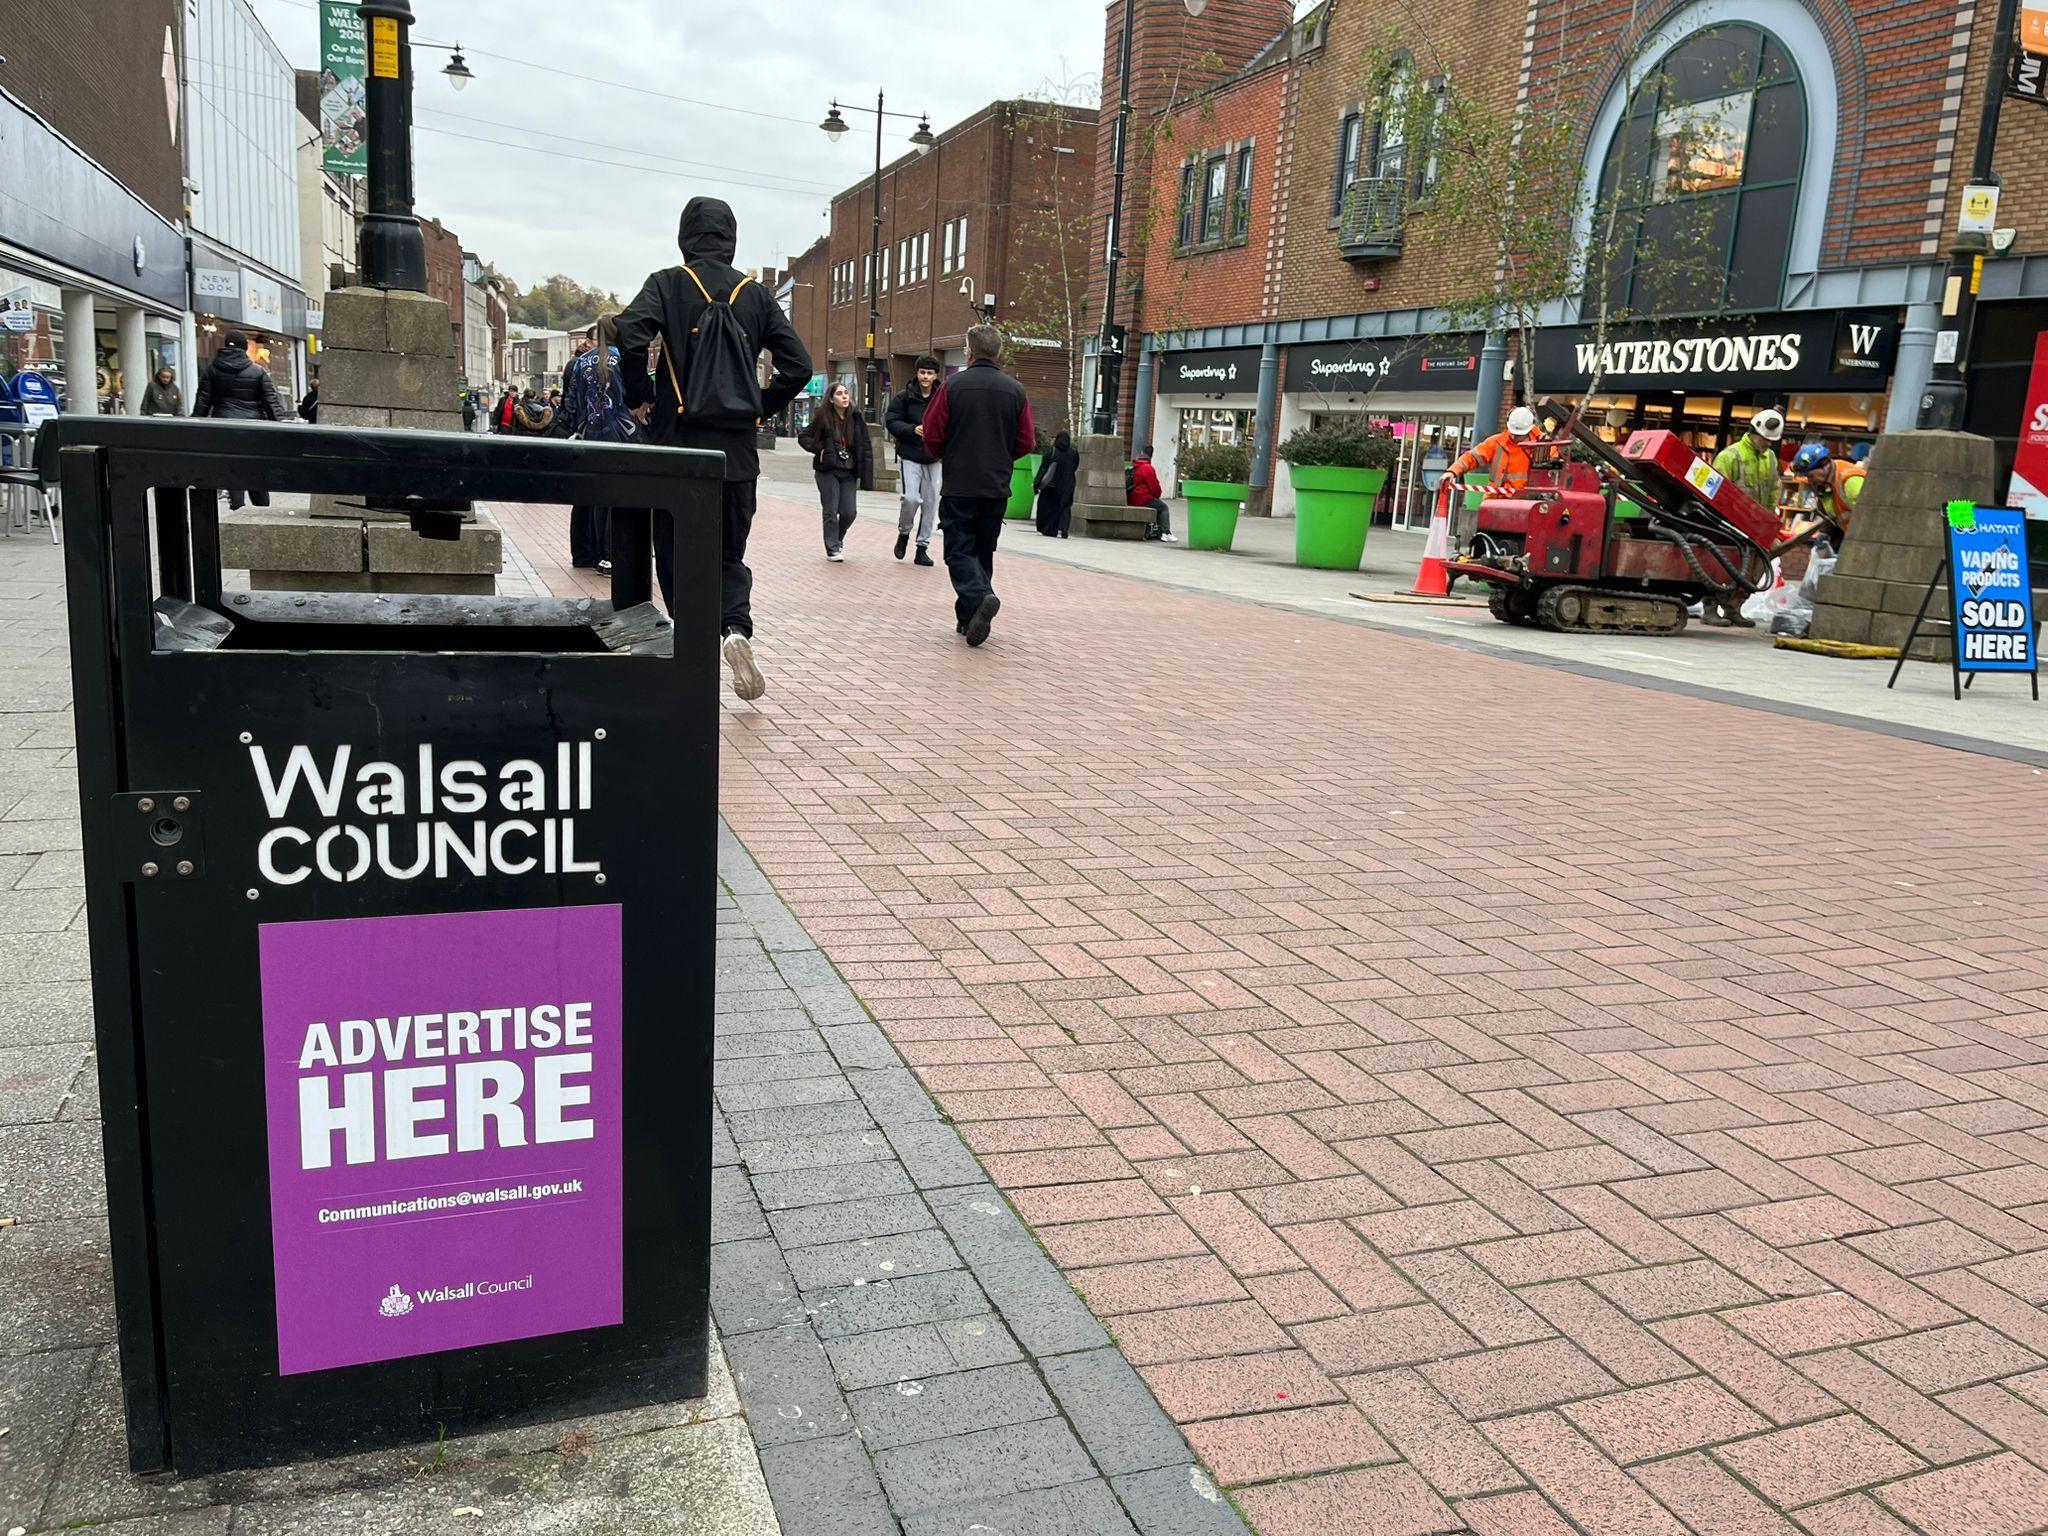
{"x": 1433, "y": 580}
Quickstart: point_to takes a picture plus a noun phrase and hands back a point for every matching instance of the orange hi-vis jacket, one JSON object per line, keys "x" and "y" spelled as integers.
{"x": 1505, "y": 461}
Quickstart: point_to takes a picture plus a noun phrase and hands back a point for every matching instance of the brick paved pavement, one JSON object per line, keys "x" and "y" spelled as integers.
{"x": 1473, "y": 1096}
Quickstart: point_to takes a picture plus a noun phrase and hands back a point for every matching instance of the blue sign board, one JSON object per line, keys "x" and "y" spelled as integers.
{"x": 1991, "y": 594}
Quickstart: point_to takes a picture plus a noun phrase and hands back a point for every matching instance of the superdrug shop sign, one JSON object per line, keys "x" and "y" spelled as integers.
{"x": 1218, "y": 371}
{"x": 1824, "y": 350}
{"x": 1401, "y": 363}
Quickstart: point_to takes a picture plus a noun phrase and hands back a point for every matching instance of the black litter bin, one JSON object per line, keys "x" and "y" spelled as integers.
{"x": 401, "y": 921}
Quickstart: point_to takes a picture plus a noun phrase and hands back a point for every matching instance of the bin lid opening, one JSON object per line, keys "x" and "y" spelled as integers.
{"x": 360, "y": 622}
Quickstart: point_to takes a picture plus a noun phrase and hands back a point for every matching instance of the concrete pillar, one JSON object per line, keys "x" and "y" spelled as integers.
{"x": 1260, "y": 502}
{"x": 81, "y": 377}
{"x": 1914, "y": 367}
{"x": 134, "y": 343}
{"x": 1493, "y": 362}
{"x": 188, "y": 360}
{"x": 1140, "y": 431}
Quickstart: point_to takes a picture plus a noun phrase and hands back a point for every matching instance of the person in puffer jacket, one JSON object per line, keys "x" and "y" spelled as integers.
{"x": 235, "y": 387}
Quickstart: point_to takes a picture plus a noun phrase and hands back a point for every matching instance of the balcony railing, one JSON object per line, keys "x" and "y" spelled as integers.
{"x": 1369, "y": 227}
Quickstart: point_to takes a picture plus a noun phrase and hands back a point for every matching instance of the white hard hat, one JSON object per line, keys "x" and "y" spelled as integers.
{"x": 1768, "y": 424}
{"x": 1521, "y": 421}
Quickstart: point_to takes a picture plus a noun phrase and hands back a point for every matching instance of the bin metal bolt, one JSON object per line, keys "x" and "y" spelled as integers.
{"x": 149, "y": 871}
{"x": 247, "y": 738}
{"x": 182, "y": 803}
{"x": 145, "y": 805}
{"x": 184, "y": 866}
{"x": 599, "y": 733}
{"x": 600, "y": 879}
{"x": 251, "y": 893}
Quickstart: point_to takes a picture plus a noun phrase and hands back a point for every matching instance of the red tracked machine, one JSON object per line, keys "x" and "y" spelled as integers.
{"x": 1566, "y": 554}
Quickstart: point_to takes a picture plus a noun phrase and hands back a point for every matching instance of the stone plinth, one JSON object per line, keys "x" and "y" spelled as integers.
{"x": 1101, "y": 510}
{"x": 387, "y": 360}
{"x": 1895, "y": 541}
{"x": 887, "y": 476}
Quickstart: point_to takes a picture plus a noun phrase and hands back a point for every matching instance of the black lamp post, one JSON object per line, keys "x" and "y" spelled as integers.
{"x": 1947, "y": 398}
{"x": 391, "y": 250}
{"x": 1109, "y": 360}
{"x": 835, "y": 127}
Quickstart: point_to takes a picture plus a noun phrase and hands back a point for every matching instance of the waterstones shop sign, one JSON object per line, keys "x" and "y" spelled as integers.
{"x": 1830, "y": 350}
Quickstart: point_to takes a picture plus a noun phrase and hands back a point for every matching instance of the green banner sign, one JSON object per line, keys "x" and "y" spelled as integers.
{"x": 343, "y": 60}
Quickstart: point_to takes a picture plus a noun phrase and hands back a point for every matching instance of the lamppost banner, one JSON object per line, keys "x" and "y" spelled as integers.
{"x": 344, "y": 147}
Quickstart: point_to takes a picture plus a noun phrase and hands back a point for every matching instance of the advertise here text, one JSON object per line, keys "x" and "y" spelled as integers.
{"x": 470, "y": 1081}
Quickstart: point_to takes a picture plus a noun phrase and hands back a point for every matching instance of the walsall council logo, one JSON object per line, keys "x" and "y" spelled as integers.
{"x": 396, "y": 1304}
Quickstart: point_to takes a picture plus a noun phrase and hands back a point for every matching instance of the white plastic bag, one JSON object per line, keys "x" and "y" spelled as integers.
{"x": 1764, "y": 607}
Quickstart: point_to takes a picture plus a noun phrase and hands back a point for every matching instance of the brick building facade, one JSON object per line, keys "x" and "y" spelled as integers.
{"x": 444, "y": 274}
{"x": 997, "y": 206}
{"x": 1841, "y": 127}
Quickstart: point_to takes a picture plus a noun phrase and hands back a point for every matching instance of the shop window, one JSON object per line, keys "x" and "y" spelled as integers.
{"x": 1700, "y": 180}
{"x": 1215, "y": 189}
{"x": 1241, "y": 195}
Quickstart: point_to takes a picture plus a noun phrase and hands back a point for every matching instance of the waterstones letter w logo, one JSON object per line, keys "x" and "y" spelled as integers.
{"x": 1863, "y": 339}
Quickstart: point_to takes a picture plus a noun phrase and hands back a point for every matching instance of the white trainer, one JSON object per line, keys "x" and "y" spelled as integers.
{"x": 747, "y": 681}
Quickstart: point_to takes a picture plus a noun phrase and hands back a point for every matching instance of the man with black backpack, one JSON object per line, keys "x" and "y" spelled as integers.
{"x": 714, "y": 323}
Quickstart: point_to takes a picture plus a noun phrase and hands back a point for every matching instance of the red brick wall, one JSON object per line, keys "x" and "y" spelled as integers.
{"x": 444, "y": 273}
{"x": 95, "y": 72}
{"x": 1173, "y": 56}
{"x": 997, "y": 168}
{"x": 1203, "y": 286}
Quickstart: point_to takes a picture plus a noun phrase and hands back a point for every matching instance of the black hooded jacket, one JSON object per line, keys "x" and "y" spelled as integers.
{"x": 235, "y": 387}
{"x": 668, "y": 304}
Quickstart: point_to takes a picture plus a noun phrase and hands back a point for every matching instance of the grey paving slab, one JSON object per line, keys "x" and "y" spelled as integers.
{"x": 787, "y": 1382}
{"x": 751, "y": 1287}
{"x": 51, "y": 1172}
{"x": 54, "y": 1289}
{"x": 1034, "y": 1298}
{"x": 845, "y": 1220}
{"x": 870, "y": 1260}
{"x": 827, "y": 1488}
{"x": 1114, "y": 1412}
{"x": 40, "y": 1398}
{"x": 933, "y": 1298}
{"x": 1177, "y": 1501}
{"x": 988, "y": 1464}
{"x": 46, "y": 1014}
{"x": 954, "y": 1403}
{"x": 35, "y": 1080}
{"x": 1078, "y": 1509}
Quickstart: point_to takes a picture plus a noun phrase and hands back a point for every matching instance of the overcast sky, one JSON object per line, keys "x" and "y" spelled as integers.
{"x": 517, "y": 199}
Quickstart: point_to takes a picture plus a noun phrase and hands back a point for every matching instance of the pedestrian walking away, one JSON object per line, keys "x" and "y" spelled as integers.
{"x": 594, "y": 409}
{"x": 309, "y": 403}
{"x": 469, "y": 410}
{"x": 161, "y": 397}
{"x": 921, "y": 473}
{"x": 1055, "y": 487}
{"x": 235, "y": 387}
{"x": 712, "y": 324}
{"x": 843, "y": 464}
{"x": 1141, "y": 489}
{"x": 978, "y": 425}
{"x": 586, "y": 548}
{"x": 533, "y": 416}
{"x": 507, "y": 409}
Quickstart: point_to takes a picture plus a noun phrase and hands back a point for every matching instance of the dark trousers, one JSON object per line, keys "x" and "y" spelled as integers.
{"x": 1162, "y": 518}
{"x": 256, "y": 499}
{"x": 839, "y": 499}
{"x": 736, "y": 582}
{"x": 971, "y": 525}
{"x": 589, "y": 535}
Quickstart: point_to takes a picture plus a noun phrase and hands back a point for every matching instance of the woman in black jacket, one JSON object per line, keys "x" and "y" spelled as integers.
{"x": 1055, "y": 486}
{"x": 842, "y": 460}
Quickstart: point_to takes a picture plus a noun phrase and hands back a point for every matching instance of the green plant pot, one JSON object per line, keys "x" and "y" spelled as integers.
{"x": 1212, "y": 512}
{"x": 1332, "y": 512}
{"x": 1021, "y": 476}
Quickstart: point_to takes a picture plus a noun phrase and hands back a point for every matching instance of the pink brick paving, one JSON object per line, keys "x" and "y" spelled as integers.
{"x": 1476, "y": 1097}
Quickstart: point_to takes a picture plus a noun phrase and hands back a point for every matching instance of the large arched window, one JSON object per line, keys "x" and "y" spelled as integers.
{"x": 1701, "y": 179}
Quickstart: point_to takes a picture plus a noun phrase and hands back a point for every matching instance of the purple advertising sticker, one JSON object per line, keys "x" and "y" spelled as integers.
{"x": 443, "y": 1095}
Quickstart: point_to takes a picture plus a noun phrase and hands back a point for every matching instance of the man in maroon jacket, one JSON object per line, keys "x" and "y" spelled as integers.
{"x": 978, "y": 425}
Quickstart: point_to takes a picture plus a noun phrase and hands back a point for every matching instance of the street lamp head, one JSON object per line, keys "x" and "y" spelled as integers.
{"x": 459, "y": 73}
{"x": 923, "y": 137}
{"x": 834, "y": 125}
{"x": 1195, "y": 7}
